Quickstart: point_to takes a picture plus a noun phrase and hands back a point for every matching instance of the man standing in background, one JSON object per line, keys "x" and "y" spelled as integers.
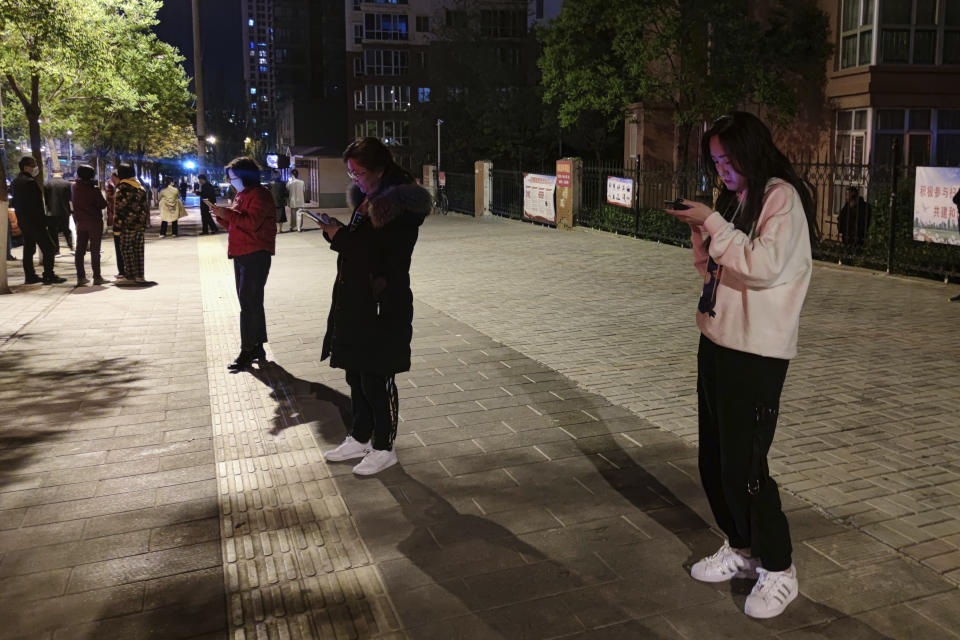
{"x": 294, "y": 196}
{"x": 27, "y": 199}
{"x": 57, "y": 193}
{"x": 206, "y": 192}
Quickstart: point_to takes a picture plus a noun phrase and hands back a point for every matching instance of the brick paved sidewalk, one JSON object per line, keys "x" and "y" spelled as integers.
{"x": 547, "y": 485}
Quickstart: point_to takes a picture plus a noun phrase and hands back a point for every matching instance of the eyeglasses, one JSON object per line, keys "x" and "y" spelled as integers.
{"x": 354, "y": 175}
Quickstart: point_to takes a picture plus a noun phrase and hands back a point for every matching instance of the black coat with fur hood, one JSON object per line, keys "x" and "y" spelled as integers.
{"x": 370, "y": 325}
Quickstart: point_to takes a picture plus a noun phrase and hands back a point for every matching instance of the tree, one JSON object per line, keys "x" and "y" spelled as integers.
{"x": 483, "y": 83}
{"x": 44, "y": 45}
{"x": 701, "y": 58}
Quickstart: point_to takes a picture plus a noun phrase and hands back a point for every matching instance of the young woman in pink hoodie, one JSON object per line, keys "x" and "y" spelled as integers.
{"x": 754, "y": 252}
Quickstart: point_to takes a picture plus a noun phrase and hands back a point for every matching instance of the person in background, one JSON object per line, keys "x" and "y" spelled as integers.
{"x": 88, "y": 205}
{"x": 278, "y": 189}
{"x": 251, "y": 242}
{"x": 295, "y": 198}
{"x": 171, "y": 208}
{"x": 27, "y": 198}
{"x": 183, "y": 189}
{"x": 131, "y": 210}
{"x": 754, "y": 253}
{"x": 206, "y": 192}
{"x": 854, "y": 219}
{"x": 370, "y": 324}
{"x": 111, "y": 193}
{"x": 57, "y": 197}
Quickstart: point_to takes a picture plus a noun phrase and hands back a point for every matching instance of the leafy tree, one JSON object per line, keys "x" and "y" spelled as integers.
{"x": 93, "y": 66}
{"x": 701, "y": 58}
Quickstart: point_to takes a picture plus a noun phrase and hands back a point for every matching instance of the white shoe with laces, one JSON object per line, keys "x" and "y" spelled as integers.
{"x": 772, "y": 593}
{"x": 375, "y": 462}
{"x": 725, "y": 564}
{"x": 348, "y": 450}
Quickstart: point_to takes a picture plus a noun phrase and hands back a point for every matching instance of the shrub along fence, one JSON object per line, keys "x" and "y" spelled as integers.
{"x": 883, "y": 241}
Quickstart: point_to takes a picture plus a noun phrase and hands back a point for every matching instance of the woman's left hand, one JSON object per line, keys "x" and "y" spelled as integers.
{"x": 330, "y": 229}
{"x": 696, "y": 215}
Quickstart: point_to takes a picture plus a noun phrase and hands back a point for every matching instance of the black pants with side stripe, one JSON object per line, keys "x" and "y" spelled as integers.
{"x": 375, "y": 408}
{"x": 739, "y": 399}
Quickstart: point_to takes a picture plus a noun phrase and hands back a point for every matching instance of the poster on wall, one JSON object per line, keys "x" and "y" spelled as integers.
{"x": 538, "y": 198}
{"x": 934, "y": 207}
{"x": 620, "y": 191}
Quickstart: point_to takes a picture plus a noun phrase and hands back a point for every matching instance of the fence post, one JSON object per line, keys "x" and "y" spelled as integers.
{"x": 482, "y": 187}
{"x": 892, "y": 211}
{"x": 569, "y": 191}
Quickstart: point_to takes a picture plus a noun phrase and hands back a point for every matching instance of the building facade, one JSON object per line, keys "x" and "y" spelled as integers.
{"x": 388, "y": 49}
{"x": 259, "y": 69}
{"x": 895, "y": 78}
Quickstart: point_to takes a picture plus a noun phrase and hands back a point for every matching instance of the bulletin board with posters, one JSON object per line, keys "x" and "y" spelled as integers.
{"x": 620, "y": 191}
{"x": 934, "y": 211}
{"x": 538, "y": 194}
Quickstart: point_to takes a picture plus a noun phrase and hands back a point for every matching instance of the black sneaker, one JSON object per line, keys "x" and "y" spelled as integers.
{"x": 244, "y": 360}
{"x": 53, "y": 279}
{"x": 32, "y": 280}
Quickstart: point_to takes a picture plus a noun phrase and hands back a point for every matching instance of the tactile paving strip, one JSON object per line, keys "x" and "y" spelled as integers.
{"x": 294, "y": 563}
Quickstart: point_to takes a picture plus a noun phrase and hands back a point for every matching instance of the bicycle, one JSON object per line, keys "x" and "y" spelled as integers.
{"x": 441, "y": 204}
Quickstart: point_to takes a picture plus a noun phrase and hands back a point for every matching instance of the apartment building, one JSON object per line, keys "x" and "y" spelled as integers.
{"x": 895, "y": 76}
{"x": 388, "y": 49}
{"x": 259, "y": 70}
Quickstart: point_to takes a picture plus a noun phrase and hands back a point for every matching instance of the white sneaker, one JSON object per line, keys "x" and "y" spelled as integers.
{"x": 724, "y": 565}
{"x": 375, "y": 461}
{"x": 348, "y": 450}
{"x": 772, "y": 593}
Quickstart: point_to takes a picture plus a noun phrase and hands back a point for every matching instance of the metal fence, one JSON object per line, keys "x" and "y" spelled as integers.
{"x": 459, "y": 189}
{"x": 507, "y": 196}
{"x": 877, "y": 234}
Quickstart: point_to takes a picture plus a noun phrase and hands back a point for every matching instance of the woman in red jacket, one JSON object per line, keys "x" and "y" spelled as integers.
{"x": 251, "y": 241}
{"x": 88, "y": 205}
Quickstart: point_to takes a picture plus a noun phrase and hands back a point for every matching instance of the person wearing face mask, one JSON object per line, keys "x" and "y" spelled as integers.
{"x": 251, "y": 241}
{"x": 754, "y": 253}
{"x": 27, "y": 198}
{"x": 370, "y": 324}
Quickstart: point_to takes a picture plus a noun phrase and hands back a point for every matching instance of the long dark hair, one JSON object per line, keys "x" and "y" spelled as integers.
{"x": 373, "y": 155}
{"x": 750, "y": 149}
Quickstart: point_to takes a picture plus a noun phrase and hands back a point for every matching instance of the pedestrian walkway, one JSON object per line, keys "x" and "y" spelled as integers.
{"x": 547, "y": 485}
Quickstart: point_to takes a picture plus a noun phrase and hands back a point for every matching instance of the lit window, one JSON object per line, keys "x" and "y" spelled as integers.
{"x": 250, "y": 22}
{"x": 423, "y": 94}
{"x": 253, "y": 90}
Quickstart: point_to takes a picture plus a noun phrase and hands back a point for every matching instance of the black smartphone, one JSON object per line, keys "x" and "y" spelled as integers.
{"x": 676, "y": 205}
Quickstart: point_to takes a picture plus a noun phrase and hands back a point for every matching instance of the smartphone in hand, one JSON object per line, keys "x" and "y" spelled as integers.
{"x": 676, "y": 205}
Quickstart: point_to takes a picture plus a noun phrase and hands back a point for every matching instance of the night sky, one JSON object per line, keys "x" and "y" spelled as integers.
{"x": 222, "y": 48}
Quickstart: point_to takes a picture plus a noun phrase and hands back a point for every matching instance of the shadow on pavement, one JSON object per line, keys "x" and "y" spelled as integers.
{"x": 624, "y": 471}
{"x": 453, "y": 574}
{"x": 501, "y": 586}
{"x": 48, "y": 400}
{"x": 300, "y": 401}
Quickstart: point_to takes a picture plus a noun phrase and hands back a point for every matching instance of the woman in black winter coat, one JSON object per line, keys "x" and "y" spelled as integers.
{"x": 371, "y": 316}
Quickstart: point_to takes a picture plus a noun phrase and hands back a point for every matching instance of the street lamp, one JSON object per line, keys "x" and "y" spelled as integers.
{"x": 211, "y": 139}
{"x": 439, "y": 122}
{"x": 70, "y": 144}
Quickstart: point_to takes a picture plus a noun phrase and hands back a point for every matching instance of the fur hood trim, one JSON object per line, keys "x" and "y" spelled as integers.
{"x": 410, "y": 201}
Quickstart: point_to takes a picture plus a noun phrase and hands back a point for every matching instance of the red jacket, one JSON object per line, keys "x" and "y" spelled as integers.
{"x": 251, "y": 222}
